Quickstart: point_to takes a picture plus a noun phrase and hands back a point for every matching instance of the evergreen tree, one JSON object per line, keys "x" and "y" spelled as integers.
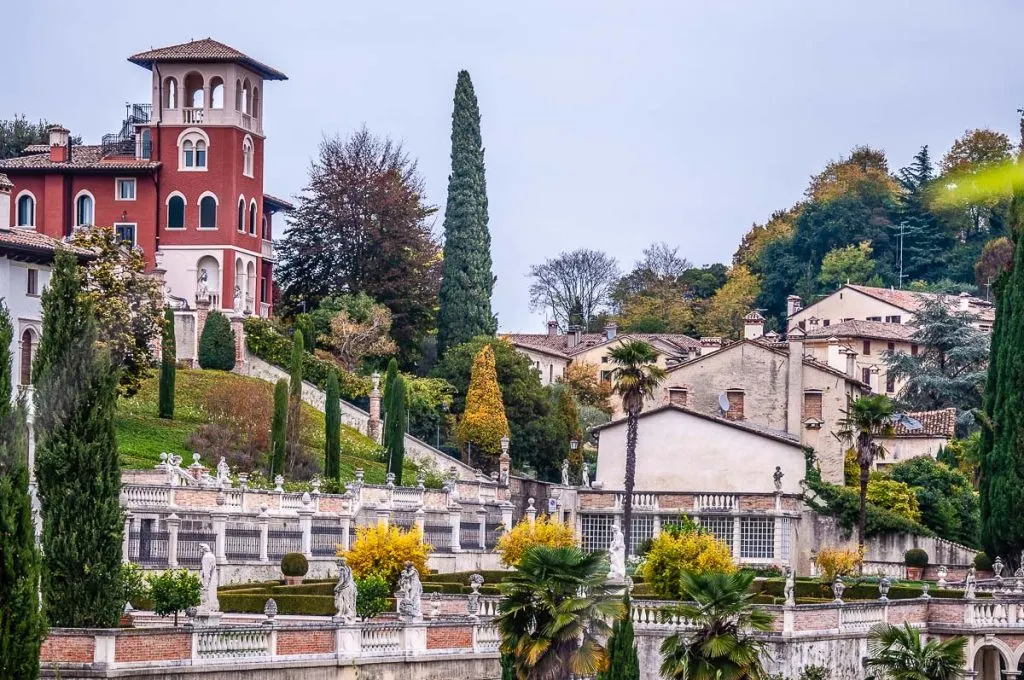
{"x": 623, "y": 663}
{"x": 21, "y": 622}
{"x": 304, "y": 324}
{"x": 390, "y": 377}
{"x": 332, "y": 428}
{"x": 466, "y": 279}
{"x": 483, "y": 423}
{"x": 396, "y": 423}
{"x": 1001, "y": 482}
{"x": 217, "y": 343}
{"x": 294, "y": 428}
{"x": 77, "y": 466}
{"x": 569, "y": 417}
{"x": 168, "y": 366}
{"x": 278, "y": 425}
{"x": 508, "y": 671}
{"x": 925, "y": 242}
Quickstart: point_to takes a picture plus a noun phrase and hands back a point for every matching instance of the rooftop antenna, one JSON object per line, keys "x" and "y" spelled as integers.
{"x": 723, "y": 403}
{"x": 902, "y": 226}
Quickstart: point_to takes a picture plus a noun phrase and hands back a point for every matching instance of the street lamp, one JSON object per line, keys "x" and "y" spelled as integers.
{"x": 574, "y": 444}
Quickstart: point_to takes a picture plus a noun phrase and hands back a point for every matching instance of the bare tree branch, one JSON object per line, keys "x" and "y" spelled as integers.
{"x": 574, "y": 286}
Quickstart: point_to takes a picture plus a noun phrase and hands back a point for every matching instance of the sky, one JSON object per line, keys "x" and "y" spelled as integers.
{"x": 607, "y": 125}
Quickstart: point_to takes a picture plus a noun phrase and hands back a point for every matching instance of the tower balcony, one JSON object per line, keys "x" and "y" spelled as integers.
{"x": 196, "y": 115}
{"x": 267, "y": 251}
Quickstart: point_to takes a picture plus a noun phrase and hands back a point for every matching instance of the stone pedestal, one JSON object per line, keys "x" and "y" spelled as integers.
{"x": 205, "y": 619}
{"x": 348, "y": 640}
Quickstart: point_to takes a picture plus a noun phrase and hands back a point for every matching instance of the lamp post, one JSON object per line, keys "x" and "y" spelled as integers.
{"x": 574, "y": 444}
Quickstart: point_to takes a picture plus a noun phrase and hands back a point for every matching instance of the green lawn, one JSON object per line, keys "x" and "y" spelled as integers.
{"x": 142, "y": 435}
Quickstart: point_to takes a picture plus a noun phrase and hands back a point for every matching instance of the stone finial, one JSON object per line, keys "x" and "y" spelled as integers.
{"x": 943, "y": 572}
{"x": 529, "y": 505}
{"x": 997, "y": 568}
{"x": 924, "y": 591}
{"x": 359, "y": 476}
{"x": 316, "y": 484}
{"x": 279, "y": 484}
{"x": 883, "y": 588}
{"x": 375, "y": 378}
{"x": 195, "y": 458}
{"x": 222, "y": 497}
{"x": 421, "y": 480}
{"x": 270, "y": 611}
{"x": 307, "y": 500}
{"x": 837, "y": 589}
{"x": 263, "y": 510}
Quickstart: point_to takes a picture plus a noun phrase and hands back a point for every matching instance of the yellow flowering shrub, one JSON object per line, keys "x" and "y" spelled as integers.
{"x": 483, "y": 421}
{"x": 834, "y": 562}
{"x": 672, "y": 553}
{"x": 895, "y": 496}
{"x": 545, "y": 531}
{"x": 383, "y": 551}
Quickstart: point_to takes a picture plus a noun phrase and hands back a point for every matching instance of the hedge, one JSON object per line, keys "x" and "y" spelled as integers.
{"x": 266, "y": 342}
{"x": 462, "y": 577}
{"x": 236, "y": 602}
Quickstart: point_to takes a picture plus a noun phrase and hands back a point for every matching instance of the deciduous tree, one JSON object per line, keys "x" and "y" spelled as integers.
{"x": 583, "y": 379}
{"x": 574, "y": 286}
{"x": 354, "y": 338}
{"x": 725, "y": 310}
{"x": 483, "y": 423}
{"x": 18, "y": 132}
{"x": 850, "y": 264}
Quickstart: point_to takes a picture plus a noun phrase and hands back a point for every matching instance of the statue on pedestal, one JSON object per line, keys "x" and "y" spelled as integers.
{"x": 789, "y": 590}
{"x": 777, "y": 478}
{"x": 617, "y": 556}
{"x": 410, "y": 593}
{"x": 345, "y": 593}
{"x": 585, "y": 481}
{"x": 209, "y": 580}
{"x": 970, "y": 583}
{"x": 565, "y": 472}
{"x": 203, "y": 286}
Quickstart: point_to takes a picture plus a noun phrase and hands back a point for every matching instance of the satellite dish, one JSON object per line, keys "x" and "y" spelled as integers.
{"x": 723, "y": 403}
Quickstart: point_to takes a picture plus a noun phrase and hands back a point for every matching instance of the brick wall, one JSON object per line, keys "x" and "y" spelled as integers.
{"x": 757, "y": 503}
{"x": 596, "y": 501}
{"x": 67, "y": 648}
{"x": 816, "y": 619}
{"x": 449, "y": 637}
{"x": 901, "y": 614}
{"x": 162, "y": 647}
{"x": 305, "y": 642}
{"x": 675, "y": 501}
{"x": 195, "y": 498}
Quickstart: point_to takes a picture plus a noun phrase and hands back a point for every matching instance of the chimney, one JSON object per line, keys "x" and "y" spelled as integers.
{"x": 851, "y": 363}
{"x": 552, "y": 328}
{"x": 5, "y": 202}
{"x": 709, "y": 345}
{"x": 793, "y": 305}
{"x": 59, "y": 144}
{"x": 753, "y": 325}
{"x": 610, "y": 329}
{"x": 965, "y": 301}
{"x": 573, "y": 338}
{"x": 795, "y": 386}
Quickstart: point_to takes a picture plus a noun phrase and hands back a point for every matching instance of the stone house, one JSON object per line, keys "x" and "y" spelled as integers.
{"x": 883, "y": 305}
{"x": 869, "y": 343}
{"x": 937, "y": 428}
{"x": 762, "y": 385}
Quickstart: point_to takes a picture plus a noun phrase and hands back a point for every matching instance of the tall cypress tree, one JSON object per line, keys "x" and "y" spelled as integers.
{"x": 21, "y": 622}
{"x": 294, "y": 428}
{"x": 466, "y": 279}
{"x": 1001, "y": 482}
{"x": 278, "y": 425}
{"x": 623, "y": 663}
{"x": 168, "y": 366}
{"x": 332, "y": 428}
{"x": 77, "y": 465}
{"x": 390, "y": 376}
{"x": 395, "y": 435}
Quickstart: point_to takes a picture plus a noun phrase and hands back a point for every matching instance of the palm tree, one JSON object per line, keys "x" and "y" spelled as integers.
{"x": 636, "y": 376}
{"x": 898, "y": 654}
{"x": 867, "y": 418}
{"x": 721, "y": 646}
{"x": 555, "y": 611}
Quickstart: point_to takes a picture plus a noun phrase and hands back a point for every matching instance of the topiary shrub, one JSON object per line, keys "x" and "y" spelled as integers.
{"x": 217, "y": 343}
{"x": 294, "y": 565}
{"x": 982, "y": 562}
{"x": 916, "y": 557}
{"x": 545, "y": 531}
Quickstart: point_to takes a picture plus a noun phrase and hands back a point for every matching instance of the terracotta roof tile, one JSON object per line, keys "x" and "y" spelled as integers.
{"x": 84, "y": 157}
{"x": 559, "y": 344}
{"x": 205, "y": 50}
{"x": 749, "y": 426}
{"x": 36, "y": 148}
{"x": 912, "y": 300}
{"x": 941, "y": 423}
{"x": 863, "y": 329}
{"x": 30, "y": 241}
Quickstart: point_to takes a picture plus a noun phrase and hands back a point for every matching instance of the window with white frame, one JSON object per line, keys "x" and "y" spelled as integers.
{"x": 247, "y": 156}
{"x": 720, "y": 526}
{"x": 124, "y": 189}
{"x": 85, "y": 210}
{"x": 26, "y": 210}
{"x": 32, "y": 283}
{"x": 643, "y": 529}
{"x": 596, "y": 531}
{"x": 125, "y": 233}
{"x": 252, "y": 217}
{"x": 193, "y": 145}
{"x": 784, "y": 539}
{"x": 176, "y": 212}
{"x": 241, "y": 213}
{"x": 208, "y": 212}
{"x": 757, "y": 538}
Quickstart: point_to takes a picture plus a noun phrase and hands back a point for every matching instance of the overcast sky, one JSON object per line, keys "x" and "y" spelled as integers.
{"x": 607, "y": 124}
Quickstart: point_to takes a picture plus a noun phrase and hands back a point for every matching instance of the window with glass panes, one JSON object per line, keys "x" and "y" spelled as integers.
{"x": 757, "y": 537}
{"x": 721, "y": 526}
{"x": 643, "y": 529}
{"x": 784, "y": 543}
{"x": 596, "y": 531}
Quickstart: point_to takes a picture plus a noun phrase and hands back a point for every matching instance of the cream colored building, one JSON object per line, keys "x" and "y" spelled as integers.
{"x": 884, "y": 305}
{"x": 937, "y": 428}
{"x": 868, "y": 343}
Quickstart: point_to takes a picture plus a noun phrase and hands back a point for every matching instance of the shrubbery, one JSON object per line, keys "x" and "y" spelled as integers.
{"x": 294, "y": 564}
{"x": 894, "y": 496}
{"x": 217, "y": 343}
{"x": 383, "y": 551}
{"x": 834, "y": 562}
{"x": 915, "y": 557}
{"x": 545, "y": 531}
{"x": 673, "y": 552}
{"x": 372, "y": 595}
{"x": 173, "y": 592}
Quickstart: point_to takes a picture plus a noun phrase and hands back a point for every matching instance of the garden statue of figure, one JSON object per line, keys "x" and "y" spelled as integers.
{"x": 970, "y": 583}
{"x": 411, "y": 590}
{"x": 617, "y": 556}
{"x": 208, "y": 581}
{"x": 203, "y": 286}
{"x": 565, "y": 472}
{"x": 223, "y": 472}
{"x": 585, "y": 482}
{"x": 777, "y": 477}
{"x": 789, "y": 590}
{"x": 345, "y": 593}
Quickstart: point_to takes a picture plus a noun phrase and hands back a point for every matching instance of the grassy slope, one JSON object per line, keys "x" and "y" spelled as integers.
{"x": 142, "y": 436}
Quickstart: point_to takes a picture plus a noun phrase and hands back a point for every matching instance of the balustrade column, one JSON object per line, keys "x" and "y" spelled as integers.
{"x": 455, "y": 518}
{"x": 421, "y": 522}
{"x": 346, "y": 526}
{"x": 506, "y": 515}
{"x": 127, "y": 538}
{"x": 531, "y": 513}
{"x": 264, "y": 522}
{"x": 306, "y": 525}
{"x": 220, "y": 526}
{"x": 481, "y": 515}
{"x": 173, "y": 525}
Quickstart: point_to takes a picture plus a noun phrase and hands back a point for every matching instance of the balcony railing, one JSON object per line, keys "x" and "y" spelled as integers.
{"x": 192, "y": 116}
{"x": 267, "y": 250}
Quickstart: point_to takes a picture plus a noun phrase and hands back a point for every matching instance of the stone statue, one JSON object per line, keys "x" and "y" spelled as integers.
{"x": 565, "y": 472}
{"x": 203, "y": 286}
{"x": 970, "y": 583}
{"x": 585, "y": 481}
{"x": 617, "y": 556}
{"x": 778, "y": 478}
{"x": 941, "y": 583}
{"x": 223, "y": 472}
{"x": 345, "y": 593}
{"x": 789, "y": 590}
{"x": 410, "y": 592}
{"x": 238, "y": 298}
{"x": 504, "y": 476}
{"x": 208, "y": 581}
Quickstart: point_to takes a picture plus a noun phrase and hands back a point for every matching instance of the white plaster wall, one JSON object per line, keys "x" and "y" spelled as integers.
{"x": 677, "y": 451}
{"x": 549, "y": 367}
{"x": 5, "y": 208}
{"x": 905, "y": 448}
{"x": 25, "y": 310}
{"x": 180, "y": 279}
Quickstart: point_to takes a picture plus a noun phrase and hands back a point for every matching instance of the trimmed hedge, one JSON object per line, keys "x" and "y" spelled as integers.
{"x": 462, "y": 577}
{"x": 217, "y": 343}
{"x": 266, "y": 342}
{"x": 236, "y": 602}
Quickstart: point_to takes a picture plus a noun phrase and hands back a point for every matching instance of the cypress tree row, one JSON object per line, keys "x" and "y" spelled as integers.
{"x": 77, "y": 465}
{"x": 623, "y": 663}
{"x": 390, "y": 376}
{"x": 395, "y": 428}
{"x": 1001, "y": 483}
{"x": 466, "y": 278}
{"x": 168, "y": 366}
{"x": 294, "y": 427}
{"x": 21, "y": 622}
{"x": 332, "y": 428}
{"x": 278, "y": 425}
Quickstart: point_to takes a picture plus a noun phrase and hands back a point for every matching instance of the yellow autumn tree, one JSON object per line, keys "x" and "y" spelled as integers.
{"x": 544, "y": 531}
{"x": 382, "y": 551}
{"x": 725, "y": 309}
{"x": 483, "y": 423}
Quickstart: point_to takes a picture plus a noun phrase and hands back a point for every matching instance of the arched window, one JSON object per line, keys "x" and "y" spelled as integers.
{"x": 188, "y": 154}
{"x": 194, "y": 94}
{"x": 200, "y": 154}
{"x": 26, "y": 216}
{"x": 147, "y": 143}
{"x": 193, "y": 144}
{"x": 255, "y": 102}
{"x": 208, "y": 212}
{"x": 238, "y": 95}
{"x": 216, "y": 92}
{"x": 27, "y": 349}
{"x": 266, "y": 227}
{"x": 176, "y": 212}
{"x": 252, "y": 218}
{"x": 241, "y": 213}
{"x": 247, "y": 156}
{"x": 84, "y": 209}
{"x": 170, "y": 93}
{"x": 246, "y": 96}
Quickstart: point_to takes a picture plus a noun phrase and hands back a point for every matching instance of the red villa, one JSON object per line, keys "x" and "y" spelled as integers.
{"x": 182, "y": 179}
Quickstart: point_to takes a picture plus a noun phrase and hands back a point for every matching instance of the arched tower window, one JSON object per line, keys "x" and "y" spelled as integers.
{"x": 147, "y": 143}
{"x": 216, "y": 92}
{"x": 255, "y": 102}
{"x": 194, "y": 94}
{"x": 27, "y": 350}
{"x": 208, "y": 212}
{"x": 176, "y": 212}
{"x": 241, "y": 213}
{"x": 170, "y": 93}
{"x": 85, "y": 213}
{"x": 266, "y": 227}
{"x": 193, "y": 144}
{"x": 252, "y": 218}
{"x": 247, "y": 156}
{"x": 246, "y": 97}
{"x": 26, "y": 210}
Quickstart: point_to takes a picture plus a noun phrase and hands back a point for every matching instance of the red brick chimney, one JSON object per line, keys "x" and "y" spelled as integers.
{"x": 59, "y": 144}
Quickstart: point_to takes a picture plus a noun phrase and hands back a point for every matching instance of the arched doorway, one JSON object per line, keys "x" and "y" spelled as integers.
{"x": 989, "y": 663}
{"x": 27, "y": 352}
